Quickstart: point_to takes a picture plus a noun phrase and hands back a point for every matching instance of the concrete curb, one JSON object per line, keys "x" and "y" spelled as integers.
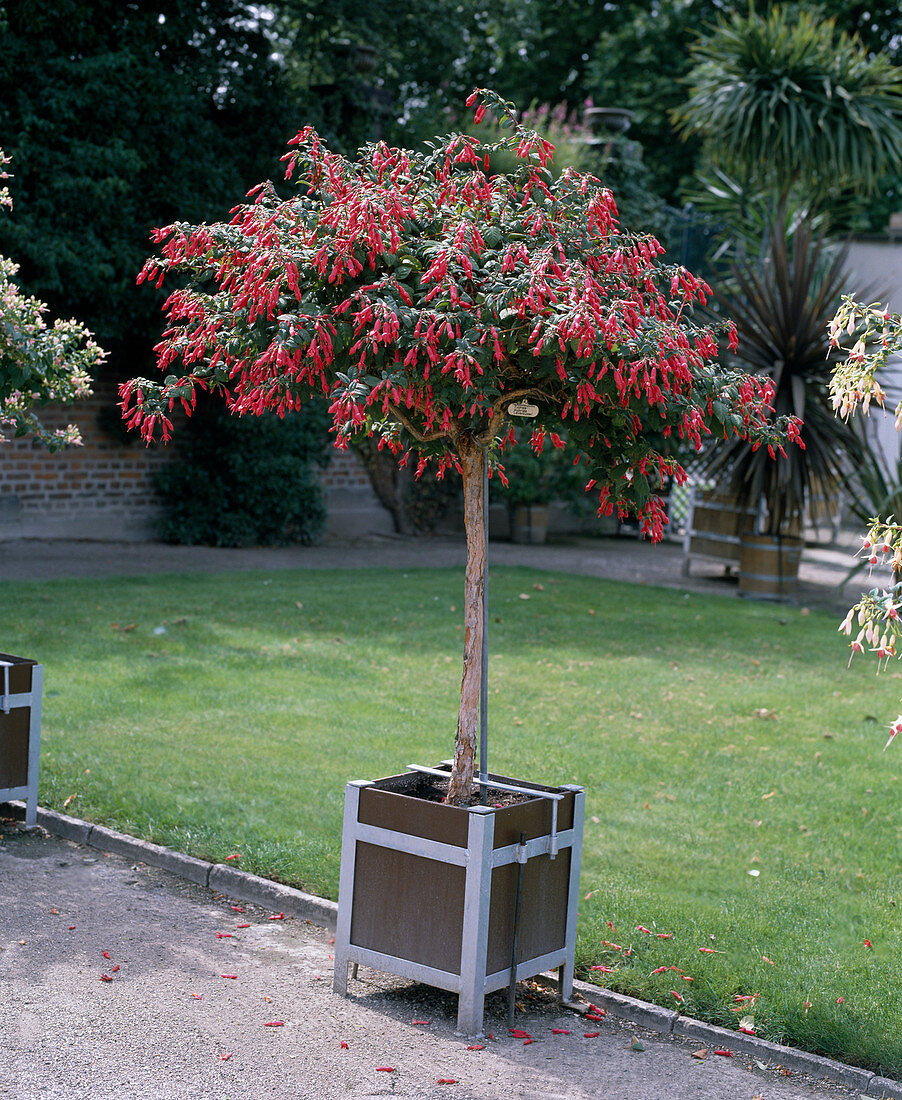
{"x": 216, "y": 876}
{"x": 273, "y": 895}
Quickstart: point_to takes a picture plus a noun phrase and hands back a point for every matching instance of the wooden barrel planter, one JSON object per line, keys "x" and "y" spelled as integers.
{"x": 21, "y": 688}
{"x": 769, "y": 566}
{"x": 529, "y": 523}
{"x": 465, "y": 899}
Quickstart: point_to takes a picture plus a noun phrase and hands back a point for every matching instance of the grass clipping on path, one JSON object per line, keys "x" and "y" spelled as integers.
{"x": 743, "y": 830}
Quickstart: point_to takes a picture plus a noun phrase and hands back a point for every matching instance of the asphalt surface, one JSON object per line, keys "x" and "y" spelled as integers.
{"x": 121, "y": 981}
{"x": 821, "y": 576}
{"x": 208, "y": 997}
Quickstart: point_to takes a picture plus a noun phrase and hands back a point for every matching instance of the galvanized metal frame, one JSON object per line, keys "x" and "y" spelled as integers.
{"x": 479, "y": 859}
{"x": 31, "y": 699}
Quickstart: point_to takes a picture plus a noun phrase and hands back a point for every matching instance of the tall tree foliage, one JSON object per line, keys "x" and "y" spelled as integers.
{"x": 118, "y": 115}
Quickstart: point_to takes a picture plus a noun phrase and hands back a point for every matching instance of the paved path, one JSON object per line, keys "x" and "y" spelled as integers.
{"x": 628, "y": 559}
{"x": 171, "y": 1023}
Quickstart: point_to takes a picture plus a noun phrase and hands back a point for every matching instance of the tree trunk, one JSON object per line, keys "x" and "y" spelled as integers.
{"x": 472, "y": 461}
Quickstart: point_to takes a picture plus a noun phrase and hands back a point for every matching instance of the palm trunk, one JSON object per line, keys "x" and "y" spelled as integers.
{"x": 472, "y": 460}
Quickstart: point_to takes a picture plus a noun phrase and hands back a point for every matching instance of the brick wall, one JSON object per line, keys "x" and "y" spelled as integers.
{"x": 100, "y": 490}
{"x": 104, "y": 489}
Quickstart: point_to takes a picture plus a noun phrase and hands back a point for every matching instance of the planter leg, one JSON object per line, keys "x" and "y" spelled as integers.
{"x": 34, "y": 746}
{"x": 474, "y": 949}
{"x": 346, "y": 887}
{"x": 565, "y": 972}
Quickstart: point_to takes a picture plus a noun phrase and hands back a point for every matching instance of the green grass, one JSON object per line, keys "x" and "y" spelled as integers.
{"x": 713, "y": 736}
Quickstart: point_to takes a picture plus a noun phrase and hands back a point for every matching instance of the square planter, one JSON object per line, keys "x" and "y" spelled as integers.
{"x": 430, "y": 891}
{"x": 21, "y": 687}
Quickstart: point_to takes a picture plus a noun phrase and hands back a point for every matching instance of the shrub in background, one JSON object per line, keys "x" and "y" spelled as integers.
{"x": 246, "y": 481}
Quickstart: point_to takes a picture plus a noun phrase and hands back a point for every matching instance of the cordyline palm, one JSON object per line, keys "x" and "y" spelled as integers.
{"x": 785, "y": 102}
{"x": 781, "y": 309}
{"x": 424, "y": 297}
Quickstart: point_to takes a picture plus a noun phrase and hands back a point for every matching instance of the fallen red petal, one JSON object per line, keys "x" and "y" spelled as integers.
{"x": 105, "y": 954}
{"x": 232, "y": 976}
{"x": 526, "y": 1042}
{"x": 724, "y": 1053}
{"x": 278, "y": 916}
{"x": 385, "y": 1069}
{"x": 274, "y": 1023}
{"x": 224, "y": 935}
{"x": 237, "y": 908}
{"x": 242, "y": 926}
{"x": 596, "y": 1016}
{"x": 446, "y": 1081}
{"x": 477, "y": 1046}
{"x": 234, "y": 855}
{"x": 591, "y": 1034}
{"x": 647, "y": 931}
{"x": 603, "y": 969}
{"x": 344, "y": 1045}
{"x": 225, "y": 1056}
{"x": 115, "y": 968}
{"x": 559, "y": 1031}
{"x": 105, "y": 978}
{"x": 518, "y": 1033}
{"x": 423, "y": 1022}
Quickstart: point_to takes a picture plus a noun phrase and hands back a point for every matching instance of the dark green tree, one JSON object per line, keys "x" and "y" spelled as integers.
{"x": 118, "y": 115}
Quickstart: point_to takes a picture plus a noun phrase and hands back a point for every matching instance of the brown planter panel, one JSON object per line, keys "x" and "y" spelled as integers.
{"x": 543, "y": 912}
{"x": 19, "y": 674}
{"x": 408, "y": 906}
{"x": 15, "y": 729}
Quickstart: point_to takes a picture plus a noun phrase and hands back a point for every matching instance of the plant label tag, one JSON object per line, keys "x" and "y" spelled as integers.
{"x": 523, "y": 408}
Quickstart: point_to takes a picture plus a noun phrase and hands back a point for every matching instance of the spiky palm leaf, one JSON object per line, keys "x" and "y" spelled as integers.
{"x": 781, "y": 309}
{"x": 783, "y": 99}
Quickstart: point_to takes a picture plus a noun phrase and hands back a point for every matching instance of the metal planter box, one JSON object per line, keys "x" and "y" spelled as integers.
{"x": 21, "y": 687}
{"x": 429, "y": 891}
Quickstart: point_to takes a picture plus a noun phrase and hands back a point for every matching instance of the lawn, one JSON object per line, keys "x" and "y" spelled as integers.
{"x": 714, "y": 737}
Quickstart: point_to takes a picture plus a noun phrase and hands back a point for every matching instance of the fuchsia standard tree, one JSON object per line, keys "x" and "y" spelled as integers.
{"x": 425, "y": 296}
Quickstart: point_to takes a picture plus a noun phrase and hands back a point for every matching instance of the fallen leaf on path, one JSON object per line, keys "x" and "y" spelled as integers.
{"x": 636, "y": 1043}
{"x": 701, "y": 1055}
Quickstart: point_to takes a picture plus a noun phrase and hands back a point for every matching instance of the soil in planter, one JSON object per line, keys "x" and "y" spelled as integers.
{"x": 433, "y": 788}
